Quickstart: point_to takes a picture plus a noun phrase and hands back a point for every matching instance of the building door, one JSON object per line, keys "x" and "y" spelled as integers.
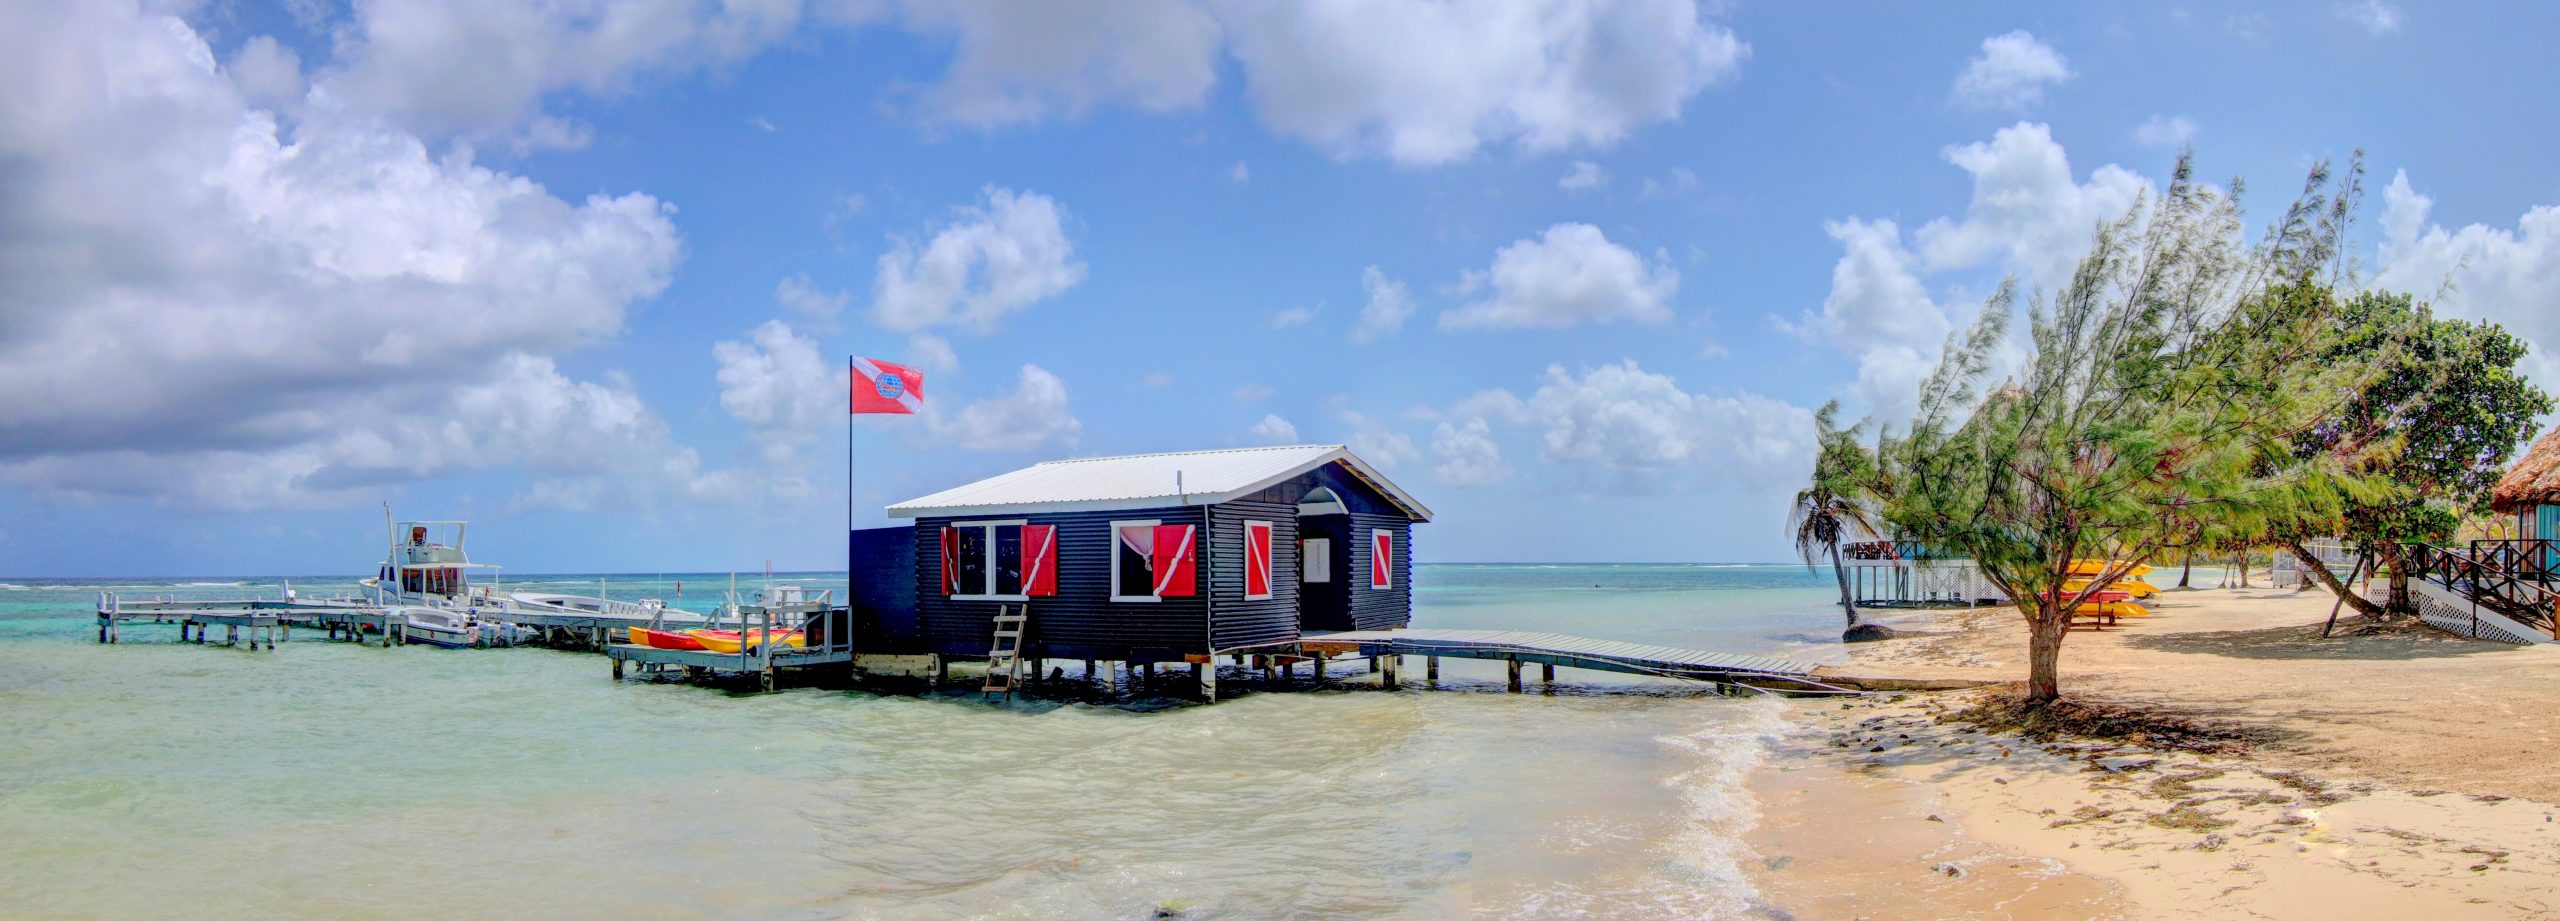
{"x": 1324, "y": 564}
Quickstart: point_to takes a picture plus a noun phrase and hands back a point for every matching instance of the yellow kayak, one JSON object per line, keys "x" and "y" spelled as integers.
{"x": 2095, "y": 567}
{"x": 730, "y": 641}
{"x": 2135, "y": 587}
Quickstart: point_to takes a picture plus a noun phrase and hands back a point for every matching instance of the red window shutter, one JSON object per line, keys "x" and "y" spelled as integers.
{"x": 1172, "y": 561}
{"x": 1257, "y": 559}
{"x": 950, "y": 561}
{"x": 1039, "y": 559}
{"x": 1382, "y": 558}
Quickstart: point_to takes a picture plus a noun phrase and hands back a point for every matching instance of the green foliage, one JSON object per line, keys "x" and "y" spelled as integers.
{"x": 2439, "y": 416}
{"x": 2160, "y": 405}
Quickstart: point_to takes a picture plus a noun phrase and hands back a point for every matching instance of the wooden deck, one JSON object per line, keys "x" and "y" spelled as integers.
{"x": 1556, "y": 649}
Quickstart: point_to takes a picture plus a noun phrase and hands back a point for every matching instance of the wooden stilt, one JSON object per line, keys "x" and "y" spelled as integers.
{"x": 1319, "y": 668}
{"x": 1088, "y": 671}
{"x": 617, "y": 668}
{"x": 1547, "y": 673}
{"x": 1515, "y": 676}
{"x": 941, "y": 671}
{"x": 1208, "y": 681}
{"x": 1431, "y": 667}
{"x": 1388, "y": 676}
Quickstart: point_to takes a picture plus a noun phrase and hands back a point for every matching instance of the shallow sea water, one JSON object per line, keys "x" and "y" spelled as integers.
{"x": 150, "y": 779}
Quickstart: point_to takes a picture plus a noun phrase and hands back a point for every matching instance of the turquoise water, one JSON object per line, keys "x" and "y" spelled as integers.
{"x": 151, "y": 779}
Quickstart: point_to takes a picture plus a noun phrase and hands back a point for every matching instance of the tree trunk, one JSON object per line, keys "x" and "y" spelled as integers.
{"x": 2186, "y": 567}
{"x": 2396, "y": 558}
{"x": 2044, "y": 651}
{"x": 2240, "y": 564}
{"x": 1848, "y": 602}
{"x": 2346, "y": 593}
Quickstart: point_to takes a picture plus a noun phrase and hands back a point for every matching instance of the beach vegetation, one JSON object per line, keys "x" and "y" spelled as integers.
{"x": 1825, "y": 511}
{"x": 2447, "y": 406}
{"x": 2156, "y": 404}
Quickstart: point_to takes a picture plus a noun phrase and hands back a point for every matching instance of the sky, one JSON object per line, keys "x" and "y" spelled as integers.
{"x": 1576, "y": 273}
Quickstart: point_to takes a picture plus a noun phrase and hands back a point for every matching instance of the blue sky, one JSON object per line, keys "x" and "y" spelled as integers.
{"x": 1575, "y": 272}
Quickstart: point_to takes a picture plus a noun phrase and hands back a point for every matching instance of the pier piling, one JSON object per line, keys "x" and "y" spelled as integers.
{"x": 1515, "y": 675}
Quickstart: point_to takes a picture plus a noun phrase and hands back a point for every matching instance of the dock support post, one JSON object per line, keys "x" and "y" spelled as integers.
{"x": 617, "y": 668}
{"x": 1547, "y": 673}
{"x": 1208, "y": 681}
{"x": 1319, "y": 668}
{"x": 765, "y": 678}
{"x": 1373, "y": 665}
{"x": 231, "y": 634}
{"x": 941, "y": 671}
{"x": 1388, "y": 676}
{"x": 1515, "y": 676}
{"x": 1088, "y": 671}
{"x": 1431, "y": 667}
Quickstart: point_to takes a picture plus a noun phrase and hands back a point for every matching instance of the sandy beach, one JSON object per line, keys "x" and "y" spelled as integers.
{"x": 2386, "y": 772}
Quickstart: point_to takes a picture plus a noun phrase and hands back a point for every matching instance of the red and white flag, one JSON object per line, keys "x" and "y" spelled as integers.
{"x": 881, "y": 387}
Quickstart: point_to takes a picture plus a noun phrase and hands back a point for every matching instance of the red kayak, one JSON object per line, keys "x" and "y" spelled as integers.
{"x": 663, "y": 639}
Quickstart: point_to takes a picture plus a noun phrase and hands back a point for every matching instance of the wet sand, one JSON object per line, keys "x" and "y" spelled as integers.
{"x": 2404, "y": 773}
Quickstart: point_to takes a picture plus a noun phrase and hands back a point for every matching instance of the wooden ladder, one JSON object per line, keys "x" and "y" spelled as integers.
{"x": 1004, "y": 658}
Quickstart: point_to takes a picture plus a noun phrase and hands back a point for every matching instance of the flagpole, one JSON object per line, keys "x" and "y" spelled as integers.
{"x": 848, "y": 481}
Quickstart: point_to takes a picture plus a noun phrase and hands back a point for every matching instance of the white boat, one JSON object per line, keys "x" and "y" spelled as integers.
{"x": 426, "y": 566}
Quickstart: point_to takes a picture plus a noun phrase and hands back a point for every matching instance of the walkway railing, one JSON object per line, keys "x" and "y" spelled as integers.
{"x": 2503, "y": 576}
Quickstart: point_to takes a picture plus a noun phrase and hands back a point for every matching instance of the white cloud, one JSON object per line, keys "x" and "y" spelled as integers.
{"x": 2510, "y": 276}
{"x": 2026, "y": 208}
{"x": 1646, "y": 434}
{"x": 1583, "y": 176}
{"x": 1467, "y": 455}
{"x": 483, "y": 66}
{"x": 2374, "y": 16}
{"x": 1288, "y": 317}
{"x": 1377, "y": 443}
{"x": 762, "y": 123}
{"x": 1425, "y": 83}
{"x": 1275, "y": 430}
{"x": 1249, "y": 393}
{"x": 2165, "y": 131}
{"x": 2028, "y": 217}
{"x": 1035, "y": 415}
{"x": 1023, "y": 62}
{"x": 267, "y": 73}
{"x": 1389, "y": 304}
{"x": 800, "y": 294}
{"x": 1678, "y": 182}
{"x": 1001, "y": 256}
{"x": 1156, "y": 380}
{"x": 780, "y": 386}
{"x": 291, "y": 303}
{"x": 2011, "y": 73}
{"x": 1569, "y": 276}
{"x": 1240, "y": 173}
{"x": 932, "y": 353}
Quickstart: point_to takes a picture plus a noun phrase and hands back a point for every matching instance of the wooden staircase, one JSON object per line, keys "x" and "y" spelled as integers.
{"x": 1004, "y": 656}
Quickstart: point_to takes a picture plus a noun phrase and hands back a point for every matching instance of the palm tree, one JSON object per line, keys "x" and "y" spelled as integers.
{"x": 1819, "y": 518}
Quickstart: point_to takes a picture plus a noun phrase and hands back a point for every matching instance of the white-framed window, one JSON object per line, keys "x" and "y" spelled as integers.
{"x": 1315, "y": 560}
{"x": 1133, "y": 548}
{"x": 1257, "y": 561}
{"x": 1382, "y": 559}
{"x": 986, "y": 560}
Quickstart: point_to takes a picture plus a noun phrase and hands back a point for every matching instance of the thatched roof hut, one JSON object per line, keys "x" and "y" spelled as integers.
{"x": 2534, "y": 480}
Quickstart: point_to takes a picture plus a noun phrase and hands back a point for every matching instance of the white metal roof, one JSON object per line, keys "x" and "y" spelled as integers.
{"x": 1146, "y": 481}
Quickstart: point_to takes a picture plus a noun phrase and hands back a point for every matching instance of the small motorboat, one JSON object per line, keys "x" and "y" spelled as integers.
{"x": 663, "y": 639}
{"x": 439, "y": 628}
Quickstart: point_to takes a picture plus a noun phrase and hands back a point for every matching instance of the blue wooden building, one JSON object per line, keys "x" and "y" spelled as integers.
{"x": 1145, "y": 558}
{"x": 2531, "y": 492}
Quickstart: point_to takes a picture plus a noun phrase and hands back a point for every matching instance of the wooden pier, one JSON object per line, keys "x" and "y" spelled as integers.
{"x": 1550, "y": 650}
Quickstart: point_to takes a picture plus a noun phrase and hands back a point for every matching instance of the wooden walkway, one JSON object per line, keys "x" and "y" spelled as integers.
{"x": 1556, "y": 649}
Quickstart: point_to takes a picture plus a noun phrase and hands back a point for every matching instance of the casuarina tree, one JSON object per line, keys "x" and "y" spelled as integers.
{"x": 2157, "y": 406}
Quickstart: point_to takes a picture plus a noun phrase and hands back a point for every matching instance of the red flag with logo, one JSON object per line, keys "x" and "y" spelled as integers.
{"x": 881, "y": 387}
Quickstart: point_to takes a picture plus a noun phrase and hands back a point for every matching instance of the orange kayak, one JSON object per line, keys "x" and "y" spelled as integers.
{"x": 663, "y": 639}
{"x": 730, "y": 641}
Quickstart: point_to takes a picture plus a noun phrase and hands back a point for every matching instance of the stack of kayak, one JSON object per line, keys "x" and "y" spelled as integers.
{"x": 722, "y": 641}
{"x": 2120, "y": 598}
